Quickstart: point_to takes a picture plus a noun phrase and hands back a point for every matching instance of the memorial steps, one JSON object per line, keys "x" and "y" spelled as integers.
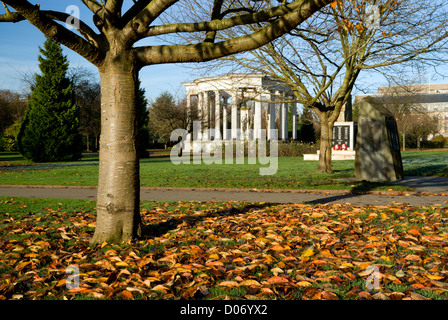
{"x": 335, "y": 155}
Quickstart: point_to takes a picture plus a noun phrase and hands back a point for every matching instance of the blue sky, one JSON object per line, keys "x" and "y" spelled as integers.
{"x": 19, "y": 49}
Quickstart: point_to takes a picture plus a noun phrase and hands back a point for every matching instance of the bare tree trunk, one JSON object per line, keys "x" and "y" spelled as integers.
{"x": 118, "y": 214}
{"x": 87, "y": 142}
{"x": 326, "y": 136}
{"x": 404, "y": 141}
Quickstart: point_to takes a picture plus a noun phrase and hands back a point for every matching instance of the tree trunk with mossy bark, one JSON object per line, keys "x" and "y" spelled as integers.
{"x": 118, "y": 216}
{"x": 326, "y": 138}
{"x": 325, "y": 147}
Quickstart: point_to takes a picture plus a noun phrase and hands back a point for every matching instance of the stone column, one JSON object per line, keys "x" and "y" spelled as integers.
{"x": 244, "y": 122}
{"x": 378, "y": 156}
{"x": 234, "y": 116}
{"x": 218, "y": 133}
{"x": 189, "y": 123}
{"x": 280, "y": 114}
{"x": 257, "y": 118}
{"x": 225, "y": 136}
{"x": 284, "y": 122}
{"x": 200, "y": 113}
{"x": 294, "y": 121}
{"x": 271, "y": 115}
{"x": 211, "y": 115}
{"x": 239, "y": 127}
{"x": 206, "y": 125}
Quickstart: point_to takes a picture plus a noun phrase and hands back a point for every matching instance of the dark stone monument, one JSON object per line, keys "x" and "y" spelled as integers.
{"x": 378, "y": 156}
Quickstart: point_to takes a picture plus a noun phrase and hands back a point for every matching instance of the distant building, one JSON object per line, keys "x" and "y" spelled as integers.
{"x": 431, "y": 97}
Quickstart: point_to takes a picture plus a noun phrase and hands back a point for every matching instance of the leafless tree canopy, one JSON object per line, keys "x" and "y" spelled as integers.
{"x": 322, "y": 58}
{"x": 148, "y": 19}
{"x": 405, "y": 101}
{"x": 167, "y": 114}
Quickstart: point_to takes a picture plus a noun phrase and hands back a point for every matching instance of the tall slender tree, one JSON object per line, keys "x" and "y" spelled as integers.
{"x": 49, "y": 131}
{"x": 112, "y": 46}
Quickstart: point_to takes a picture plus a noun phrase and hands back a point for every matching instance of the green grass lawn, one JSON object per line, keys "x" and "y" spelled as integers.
{"x": 426, "y": 163}
{"x": 293, "y": 173}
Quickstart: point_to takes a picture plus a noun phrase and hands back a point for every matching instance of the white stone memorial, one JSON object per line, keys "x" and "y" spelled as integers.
{"x": 231, "y": 106}
{"x": 344, "y": 137}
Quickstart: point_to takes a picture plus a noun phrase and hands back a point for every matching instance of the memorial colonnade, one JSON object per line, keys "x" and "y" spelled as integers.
{"x": 240, "y": 106}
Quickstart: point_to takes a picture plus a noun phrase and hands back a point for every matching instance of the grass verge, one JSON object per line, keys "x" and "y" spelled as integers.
{"x": 292, "y": 173}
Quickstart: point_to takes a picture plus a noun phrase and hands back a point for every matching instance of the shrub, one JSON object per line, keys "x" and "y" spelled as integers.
{"x": 285, "y": 148}
{"x": 8, "y": 138}
{"x": 295, "y": 148}
{"x": 439, "y": 141}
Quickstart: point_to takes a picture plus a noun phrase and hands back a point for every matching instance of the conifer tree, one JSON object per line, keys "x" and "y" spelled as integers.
{"x": 143, "y": 118}
{"x": 49, "y": 131}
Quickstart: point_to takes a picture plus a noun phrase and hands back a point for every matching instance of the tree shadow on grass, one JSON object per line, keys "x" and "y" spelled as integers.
{"x": 440, "y": 170}
{"x": 362, "y": 188}
{"x": 158, "y": 229}
{"x": 164, "y": 158}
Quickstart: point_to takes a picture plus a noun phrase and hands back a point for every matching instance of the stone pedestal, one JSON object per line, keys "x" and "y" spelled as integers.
{"x": 335, "y": 155}
{"x": 378, "y": 155}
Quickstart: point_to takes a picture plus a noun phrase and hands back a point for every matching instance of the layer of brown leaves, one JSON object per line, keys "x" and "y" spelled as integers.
{"x": 233, "y": 250}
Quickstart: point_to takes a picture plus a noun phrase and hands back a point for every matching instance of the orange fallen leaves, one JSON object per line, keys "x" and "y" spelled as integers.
{"x": 127, "y": 294}
{"x": 304, "y": 284}
{"x": 414, "y": 231}
{"x": 277, "y": 279}
{"x": 329, "y": 296}
{"x": 229, "y": 284}
{"x": 277, "y": 248}
{"x": 260, "y": 251}
{"x": 250, "y": 283}
{"x": 307, "y": 253}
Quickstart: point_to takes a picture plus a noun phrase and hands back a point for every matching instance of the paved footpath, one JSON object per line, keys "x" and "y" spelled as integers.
{"x": 429, "y": 191}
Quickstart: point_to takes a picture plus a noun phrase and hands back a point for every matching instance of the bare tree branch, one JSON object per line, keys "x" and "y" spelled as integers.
{"x": 56, "y": 31}
{"x": 84, "y": 29}
{"x": 93, "y": 5}
{"x": 209, "y": 51}
{"x": 9, "y": 16}
{"x": 114, "y": 6}
{"x": 133, "y": 11}
{"x": 141, "y": 20}
{"x": 218, "y": 23}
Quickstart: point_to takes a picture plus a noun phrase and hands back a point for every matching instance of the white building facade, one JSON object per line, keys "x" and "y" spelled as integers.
{"x": 433, "y": 98}
{"x": 241, "y": 106}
